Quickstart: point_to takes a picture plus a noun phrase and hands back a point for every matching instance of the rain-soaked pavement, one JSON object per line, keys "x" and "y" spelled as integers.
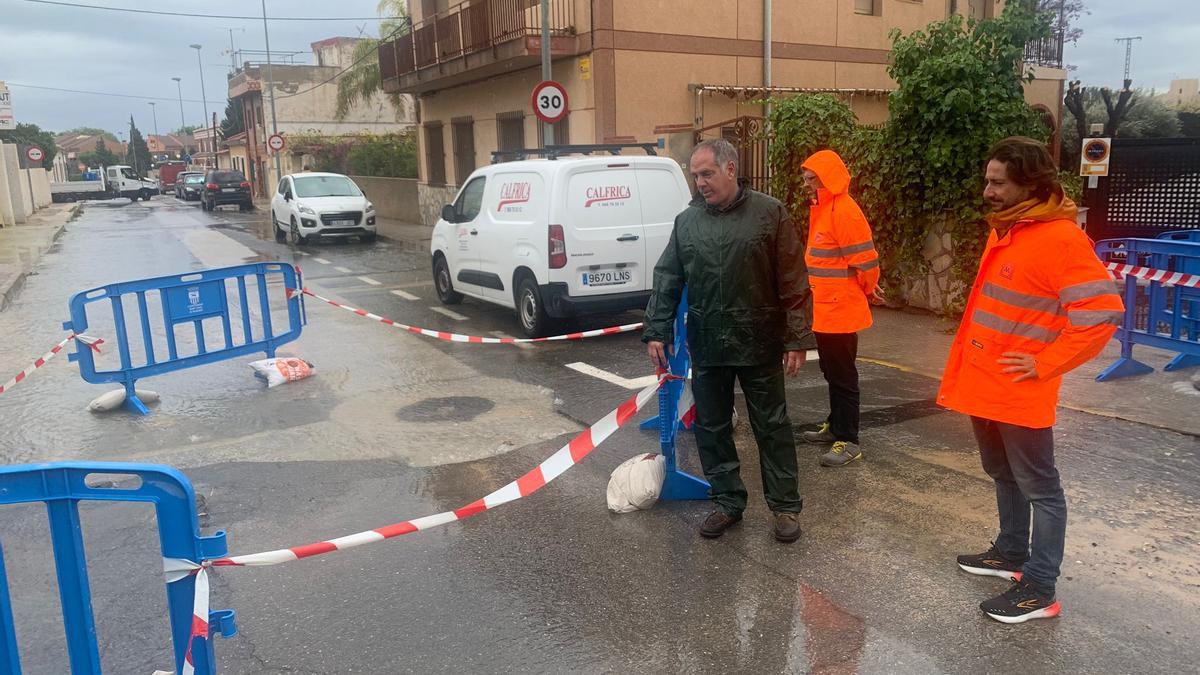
{"x": 395, "y": 426}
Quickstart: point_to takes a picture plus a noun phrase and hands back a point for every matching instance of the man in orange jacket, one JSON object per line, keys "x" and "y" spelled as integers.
{"x": 843, "y": 271}
{"x": 1041, "y": 305}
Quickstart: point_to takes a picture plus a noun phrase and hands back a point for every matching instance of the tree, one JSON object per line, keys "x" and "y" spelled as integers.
{"x": 1067, "y": 12}
{"x": 32, "y": 134}
{"x": 235, "y": 120}
{"x": 101, "y": 156}
{"x": 185, "y": 130}
{"x": 138, "y": 154}
{"x": 90, "y": 131}
{"x": 1141, "y": 117}
{"x": 363, "y": 79}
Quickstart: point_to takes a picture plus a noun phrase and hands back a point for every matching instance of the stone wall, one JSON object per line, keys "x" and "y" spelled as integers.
{"x": 431, "y": 198}
{"x": 934, "y": 291}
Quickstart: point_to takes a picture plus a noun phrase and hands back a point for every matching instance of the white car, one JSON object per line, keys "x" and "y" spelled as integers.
{"x": 557, "y": 238}
{"x": 314, "y": 204}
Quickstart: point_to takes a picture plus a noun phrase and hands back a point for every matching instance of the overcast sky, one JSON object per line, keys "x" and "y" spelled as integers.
{"x": 137, "y": 54}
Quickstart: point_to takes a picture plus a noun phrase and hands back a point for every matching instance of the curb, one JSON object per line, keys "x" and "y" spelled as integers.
{"x": 17, "y": 282}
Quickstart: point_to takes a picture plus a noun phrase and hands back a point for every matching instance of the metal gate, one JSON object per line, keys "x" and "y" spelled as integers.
{"x": 1153, "y": 186}
{"x": 748, "y": 135}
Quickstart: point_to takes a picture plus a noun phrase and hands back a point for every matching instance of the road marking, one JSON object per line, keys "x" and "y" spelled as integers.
{"x": 406, "y": 296}
{"x": 369, "y": 280}
{"x": 446, "y": 312}
{"x": 321, "y": 260}
{"x": 519, "y": 345}
{"x": 637, "y": 383}
{"x": 343, "y": 270}
{"x": 301, "y": 253}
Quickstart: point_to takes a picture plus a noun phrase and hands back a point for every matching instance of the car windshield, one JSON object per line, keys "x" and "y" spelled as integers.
{"x": 325, "y": 186}
{"x": 193, "y": 179}
{"x": 128, "y": 173}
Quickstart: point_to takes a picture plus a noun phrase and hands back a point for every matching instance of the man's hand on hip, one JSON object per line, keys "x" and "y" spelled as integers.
{"x": 793, "y": 361}
{"x": 658, "y": 353}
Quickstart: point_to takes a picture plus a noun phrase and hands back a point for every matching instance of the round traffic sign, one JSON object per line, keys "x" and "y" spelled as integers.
{"x": 1096, "y": 150}
{"x": 34, "y": 153}
{"x": 275, "y": 142}
{"x": 550, "y": 101}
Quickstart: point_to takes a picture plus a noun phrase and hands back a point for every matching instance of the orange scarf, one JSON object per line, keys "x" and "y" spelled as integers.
{"x": 1058, "y": 207}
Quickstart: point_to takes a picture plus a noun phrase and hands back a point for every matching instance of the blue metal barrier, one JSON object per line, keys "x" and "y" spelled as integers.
{"x": 189, "y": 298}
{"x": 1164, "y": 317}
{"x": 1190, "y": 267}
{"x": 62, "y": 486}
{"x": 678, "y": 484}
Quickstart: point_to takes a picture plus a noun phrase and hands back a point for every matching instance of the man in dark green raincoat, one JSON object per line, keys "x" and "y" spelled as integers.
{"x": 749, "y": 319}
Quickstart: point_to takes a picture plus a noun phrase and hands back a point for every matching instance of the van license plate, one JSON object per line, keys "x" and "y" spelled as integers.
{"x": 607, "y": 278}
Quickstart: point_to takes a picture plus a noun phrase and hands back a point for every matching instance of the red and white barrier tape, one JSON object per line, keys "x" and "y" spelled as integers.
{"x": 92, "y": 342}
{"x": 473, "y": 339}
{"x": 1150, "y": 274}
{"x": 552, "y": 467}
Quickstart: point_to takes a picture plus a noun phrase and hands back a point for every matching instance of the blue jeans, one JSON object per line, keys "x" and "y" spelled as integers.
{"x": 1021, "y": 461}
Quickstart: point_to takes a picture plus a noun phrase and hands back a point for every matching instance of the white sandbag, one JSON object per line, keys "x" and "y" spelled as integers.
{"x": 116, "y": 398}
{"x": 284, "y": 369}
{"x": 636, "y": 483}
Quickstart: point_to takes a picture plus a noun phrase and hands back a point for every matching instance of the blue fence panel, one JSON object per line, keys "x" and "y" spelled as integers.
{"x": 61, "y": 487}
{"x": 163, "y": 304}
{"x": 678, "y": 484}
{"x": 1164, "y": 317}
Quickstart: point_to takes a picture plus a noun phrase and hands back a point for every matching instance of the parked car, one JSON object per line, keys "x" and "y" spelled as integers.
{"x": 182, "y": 177}
{"x": 558, "y": 238}
{"x": 222, "y": 186}
{"x": 315, "y": 204}
{"x": 191, "y": 187}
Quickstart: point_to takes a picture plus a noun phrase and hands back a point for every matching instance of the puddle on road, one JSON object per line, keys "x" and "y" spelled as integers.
{"x": 449, "y": 409}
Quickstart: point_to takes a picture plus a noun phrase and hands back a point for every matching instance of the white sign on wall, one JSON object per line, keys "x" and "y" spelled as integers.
{"x": 7, "y": 121}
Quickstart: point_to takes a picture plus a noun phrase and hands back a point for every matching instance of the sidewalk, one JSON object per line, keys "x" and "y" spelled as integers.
{"x": 403, "y": 231}
{"x": 919, "y": 343}
{"x": 21, "y": 246}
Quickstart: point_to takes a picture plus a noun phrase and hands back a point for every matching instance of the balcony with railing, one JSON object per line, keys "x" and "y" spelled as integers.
{"x": 1046, "y": 52}
{"x": 474, "y": 40}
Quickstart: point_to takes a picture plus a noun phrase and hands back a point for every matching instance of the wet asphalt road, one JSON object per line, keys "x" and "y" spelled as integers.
{"x": 395, "y": 426}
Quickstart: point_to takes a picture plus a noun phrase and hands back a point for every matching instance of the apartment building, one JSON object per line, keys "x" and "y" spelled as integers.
{"x": 305, "y": 101}
{"x": 640, "y": 70}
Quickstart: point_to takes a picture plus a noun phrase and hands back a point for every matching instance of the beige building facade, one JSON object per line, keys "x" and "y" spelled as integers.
{"x": 1181, "y": 93}
{"x": 305, "y": 102}
{"x": 639, "y": 70}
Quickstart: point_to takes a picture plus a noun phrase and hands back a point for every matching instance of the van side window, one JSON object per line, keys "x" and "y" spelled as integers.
{"x": 470, "y": 202}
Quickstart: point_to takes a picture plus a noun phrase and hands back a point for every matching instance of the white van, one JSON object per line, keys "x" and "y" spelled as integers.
{"x": 557, "y": 238}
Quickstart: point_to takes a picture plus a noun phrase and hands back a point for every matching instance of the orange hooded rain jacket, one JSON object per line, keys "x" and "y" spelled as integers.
{"x": 843, "y": 267}
{"x": 1040, "y": 290}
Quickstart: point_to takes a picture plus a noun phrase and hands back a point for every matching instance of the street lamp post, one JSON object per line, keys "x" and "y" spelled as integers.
{"x": 154, "y": 112}
{"x": 271, "y": 88}
{"x": 203, "y": 96}
{"x": 179, "y": 88}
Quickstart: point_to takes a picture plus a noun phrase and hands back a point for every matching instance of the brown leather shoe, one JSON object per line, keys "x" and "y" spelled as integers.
{"x": 716, "y": 523}
{"x": 787, "y": 527}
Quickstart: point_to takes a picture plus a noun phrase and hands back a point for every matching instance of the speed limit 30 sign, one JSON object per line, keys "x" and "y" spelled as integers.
{"x": 550, "y": 101}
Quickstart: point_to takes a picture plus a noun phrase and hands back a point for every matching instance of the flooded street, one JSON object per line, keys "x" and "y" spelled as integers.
{"x": 394, "y": 426}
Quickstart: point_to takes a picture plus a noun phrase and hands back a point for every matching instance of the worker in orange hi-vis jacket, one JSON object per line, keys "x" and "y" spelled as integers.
{"x": 843, "y": 271}
{"x": 1042, "y": 304}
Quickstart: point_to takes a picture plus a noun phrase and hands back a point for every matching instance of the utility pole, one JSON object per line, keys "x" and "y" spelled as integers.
{"x": 547, "y": 71}
{"x": 271, "y": 91}
{"x": 1128, "y": 51}
{"x": 203, "y": 95}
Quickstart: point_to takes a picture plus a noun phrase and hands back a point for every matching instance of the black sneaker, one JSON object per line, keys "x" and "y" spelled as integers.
{"x": 716, "y": 523}
{"x": 990, "y": 564}
{"x": 1020, "y": 603}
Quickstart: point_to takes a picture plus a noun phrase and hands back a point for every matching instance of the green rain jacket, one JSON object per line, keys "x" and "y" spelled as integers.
{"x": 748, "y": 293}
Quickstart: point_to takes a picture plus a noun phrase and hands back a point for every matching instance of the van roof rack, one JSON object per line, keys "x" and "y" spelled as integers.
{"x": 556, "y": 151}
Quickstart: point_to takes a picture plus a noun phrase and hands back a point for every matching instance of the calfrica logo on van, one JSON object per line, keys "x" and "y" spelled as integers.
{"x": 607, "y": 193}
{"x": 514, "y": 193}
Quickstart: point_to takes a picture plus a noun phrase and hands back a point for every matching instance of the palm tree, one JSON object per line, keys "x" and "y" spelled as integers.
{"x": 362, "y": 80}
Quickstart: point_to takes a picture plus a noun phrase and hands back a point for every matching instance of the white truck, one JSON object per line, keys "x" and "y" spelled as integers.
{"x": 114, "y": 181}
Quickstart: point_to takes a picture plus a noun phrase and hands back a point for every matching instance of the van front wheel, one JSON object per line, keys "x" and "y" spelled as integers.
{"x": 442, "y": 283}
{"x": 534, "y": 321}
